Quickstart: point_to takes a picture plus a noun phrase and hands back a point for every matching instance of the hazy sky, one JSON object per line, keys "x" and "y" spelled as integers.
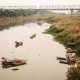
{"x": 39, "y": 2}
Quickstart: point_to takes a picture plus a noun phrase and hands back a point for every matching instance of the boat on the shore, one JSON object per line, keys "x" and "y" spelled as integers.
{"x": 71, "y": 43}
{"x": 64, "y": 61}
{"x": 61, "y": 58}
{"x": 13, "y": 62}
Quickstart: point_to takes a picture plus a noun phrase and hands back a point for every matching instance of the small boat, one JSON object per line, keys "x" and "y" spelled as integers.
{"x": 64, "y": 61}
{"x": 71, "y": 51}
{"x": 14, "y": 62}
{"x": 17, "y": 44}
{"x": 71, "y": 44}
{"x": 20, "y": 62}
{"x": 61, "y": 58}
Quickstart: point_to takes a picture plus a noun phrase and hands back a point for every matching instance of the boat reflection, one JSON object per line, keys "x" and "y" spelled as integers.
{"x": 7, "y": 66}
{"x": 11, "y": 66}
{"x": 39, "y": 22}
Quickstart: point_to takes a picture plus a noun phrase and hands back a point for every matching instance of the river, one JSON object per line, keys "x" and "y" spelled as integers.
{"x": 40, "y": 53}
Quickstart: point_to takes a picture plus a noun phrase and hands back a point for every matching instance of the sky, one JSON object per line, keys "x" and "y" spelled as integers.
{"x": 38, "y": 2}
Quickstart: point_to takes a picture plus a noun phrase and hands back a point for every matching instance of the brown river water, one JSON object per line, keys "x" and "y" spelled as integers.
{"x": 40, "y": 53}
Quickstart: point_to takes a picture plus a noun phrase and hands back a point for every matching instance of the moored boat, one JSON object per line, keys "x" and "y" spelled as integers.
{"x": 71, "y": 43}
{"x": 14, "y": 62}
{"x": 64, "y": 61}
{"x": 17, "y": 63}
{"x": 61, "y": 58}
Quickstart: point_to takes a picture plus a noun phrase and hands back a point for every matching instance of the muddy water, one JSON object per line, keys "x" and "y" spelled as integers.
{"x": 40, "y": 53}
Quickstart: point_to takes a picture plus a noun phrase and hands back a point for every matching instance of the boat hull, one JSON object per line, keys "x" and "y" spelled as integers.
{"x": 14, "y": 62}
{"x": 64, "y": 61}
{"x": 61, "y": 58}
{"x": 17, "y": 63}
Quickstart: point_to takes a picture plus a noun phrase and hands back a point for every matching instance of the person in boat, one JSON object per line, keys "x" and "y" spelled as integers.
{"x": 71, "y": 57}
{"x": 72, "y": 60}
{"x": 5, "y": 59}
{"x": 68, "y": 55}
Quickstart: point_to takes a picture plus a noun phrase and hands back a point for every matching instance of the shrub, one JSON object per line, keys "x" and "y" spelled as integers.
{"x": 73, "y": 73}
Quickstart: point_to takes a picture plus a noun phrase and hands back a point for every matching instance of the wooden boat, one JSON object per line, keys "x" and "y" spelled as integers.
{"x": 71, "y": 44}
{"x": 71, "y": 51}
{"x": 61, "y": 58}
{"x": 17, "y": 63}
{"x": 64, "y": 61}
{"x": 14, "y": 62}
{"x": 17, "y": 44}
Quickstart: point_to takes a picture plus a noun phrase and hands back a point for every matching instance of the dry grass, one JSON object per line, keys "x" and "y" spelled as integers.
{"x": 68, "y": 26}
{"x": 8, "y": 20}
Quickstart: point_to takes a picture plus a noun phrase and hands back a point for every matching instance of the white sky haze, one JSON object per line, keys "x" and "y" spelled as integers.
{"x": 38, "y": 2}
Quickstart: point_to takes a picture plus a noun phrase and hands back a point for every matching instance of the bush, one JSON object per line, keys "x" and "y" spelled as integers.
{"x": 73, "y": 73}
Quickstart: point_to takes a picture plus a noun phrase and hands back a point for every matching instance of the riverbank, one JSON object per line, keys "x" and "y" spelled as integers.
{"x": 65, "y": 29}
{"x": 8, "y": 20}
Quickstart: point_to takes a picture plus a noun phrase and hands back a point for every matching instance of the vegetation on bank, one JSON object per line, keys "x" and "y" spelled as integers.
{"x": 16, "y": 13}
{"x": 73, "y": 73}
{"x": 9, "y": 18}
{"x": 66, "y": 29}
{"x": 7, "y": 22}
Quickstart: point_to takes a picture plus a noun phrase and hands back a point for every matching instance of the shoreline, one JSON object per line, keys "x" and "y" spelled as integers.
{"x": 65, "y": 30}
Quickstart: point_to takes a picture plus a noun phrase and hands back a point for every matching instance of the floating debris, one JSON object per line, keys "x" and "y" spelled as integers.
{"x": 33, "y": 36}
{"x": 15, "y": 69}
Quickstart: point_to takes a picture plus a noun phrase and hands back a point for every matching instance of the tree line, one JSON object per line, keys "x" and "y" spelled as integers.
{"x": 16, "y": 13}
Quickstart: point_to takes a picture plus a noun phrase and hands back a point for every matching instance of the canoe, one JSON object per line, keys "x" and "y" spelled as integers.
{"x": 64, "y": 61}
{"x": 61, "y": 58}
{"x": 71, "y": 44}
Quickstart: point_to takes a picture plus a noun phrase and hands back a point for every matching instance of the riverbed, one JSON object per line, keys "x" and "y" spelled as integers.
{"x": 40, "y": 53}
